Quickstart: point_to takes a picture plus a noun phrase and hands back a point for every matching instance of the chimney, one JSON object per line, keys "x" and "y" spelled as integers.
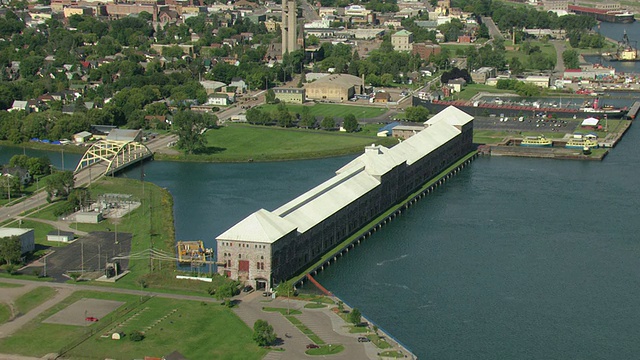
{"x": 373, "y": 149}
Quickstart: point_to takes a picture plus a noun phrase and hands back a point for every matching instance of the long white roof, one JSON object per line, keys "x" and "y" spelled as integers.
{"x": 351, "y": 182}
{"x": 6, "y": 232}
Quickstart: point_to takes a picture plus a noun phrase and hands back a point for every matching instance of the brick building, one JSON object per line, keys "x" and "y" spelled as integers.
{"x": 268, "y": 247}
{"x": 425, "y": 50}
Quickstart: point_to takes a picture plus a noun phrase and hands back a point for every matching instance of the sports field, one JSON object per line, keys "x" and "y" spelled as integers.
{"x": 334, "y": 110}
{"x": 195, "y": 329}
{"x": 241, "y": 143}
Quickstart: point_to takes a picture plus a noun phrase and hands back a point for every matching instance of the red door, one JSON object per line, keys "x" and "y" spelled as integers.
{"x": 243, "y": 265}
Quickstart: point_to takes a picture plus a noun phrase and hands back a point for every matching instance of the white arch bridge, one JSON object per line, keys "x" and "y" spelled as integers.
{"x": 113, "y": 155}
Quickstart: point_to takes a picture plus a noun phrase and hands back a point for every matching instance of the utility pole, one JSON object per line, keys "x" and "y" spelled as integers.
{"x": 82, "y": 255}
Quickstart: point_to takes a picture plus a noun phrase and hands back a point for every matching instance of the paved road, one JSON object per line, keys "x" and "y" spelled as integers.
{"x": 323, "y": 322}
{"x": 560, "y": 47}
{"x": 494, "y": 32}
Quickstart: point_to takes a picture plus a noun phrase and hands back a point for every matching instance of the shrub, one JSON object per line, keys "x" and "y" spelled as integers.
{"x": 136, "y": 335}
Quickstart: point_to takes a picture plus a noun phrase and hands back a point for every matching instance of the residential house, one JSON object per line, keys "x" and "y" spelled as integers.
{"x": 212, "y": 86}
{"x": 456, "y": 84}
{"x": 20, "y": 173}
{"x": 381, "y": 97}
{"x": 241, "y": 85}
{"x": 19, "y": 105}
{"x": 219, "y": 99}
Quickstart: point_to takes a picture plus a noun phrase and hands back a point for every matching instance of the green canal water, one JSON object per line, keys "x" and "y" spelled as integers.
{"x": 511, "y": 259}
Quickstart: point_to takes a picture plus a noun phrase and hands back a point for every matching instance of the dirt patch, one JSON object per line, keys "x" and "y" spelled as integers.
{"x": 76, "y": 313}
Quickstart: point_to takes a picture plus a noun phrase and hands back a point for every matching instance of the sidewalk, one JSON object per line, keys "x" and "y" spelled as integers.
{"x": 323, "y": 322}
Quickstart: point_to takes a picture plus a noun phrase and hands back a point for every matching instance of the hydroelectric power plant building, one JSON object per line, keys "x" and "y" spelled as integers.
{"x": 268, "y": 247}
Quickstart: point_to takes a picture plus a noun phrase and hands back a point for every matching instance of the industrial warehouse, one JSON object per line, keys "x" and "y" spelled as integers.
{"x": 268, "y": 247}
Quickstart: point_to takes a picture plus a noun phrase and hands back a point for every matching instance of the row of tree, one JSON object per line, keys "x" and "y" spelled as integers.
{"x": 281, "y": 116}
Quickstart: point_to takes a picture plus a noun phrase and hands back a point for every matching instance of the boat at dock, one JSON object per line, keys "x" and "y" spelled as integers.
{"x": 536, "y": 141}
{"x": 626, "y": 51}
{"x": 536, "y": 109}
{"x": 612, "y": 15}
{"x": 581, "y": 143}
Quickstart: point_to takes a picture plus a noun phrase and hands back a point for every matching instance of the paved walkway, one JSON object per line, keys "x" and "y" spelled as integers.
{"x": 62, "y": 225}
{"x": 323, "y": 322}
{"x": 10, "y": 327}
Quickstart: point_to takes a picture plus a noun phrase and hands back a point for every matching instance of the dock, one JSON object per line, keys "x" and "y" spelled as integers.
{"x": 542, "y": 152}
{"x": 633, "y": 111}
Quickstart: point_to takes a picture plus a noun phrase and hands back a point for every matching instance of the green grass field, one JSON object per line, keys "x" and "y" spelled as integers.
{"x": 197, "y": 331}
{"x": 241, "y": 143}
{"x": 335, "y": 110}
{"x": 33, "y": 298}
{"x": 471, "y": 90}
{"x": 5, "y": 313}
{"x": 9, "y": 285}
{"x": 546, "y": 48}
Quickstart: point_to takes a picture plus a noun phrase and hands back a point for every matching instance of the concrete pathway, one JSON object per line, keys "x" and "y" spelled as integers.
{"x": 10, "y": 327}
{"x": 62, "y": 225}
{"x": 323, "y": 322}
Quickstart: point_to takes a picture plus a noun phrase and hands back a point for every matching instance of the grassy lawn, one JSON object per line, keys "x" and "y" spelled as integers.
{"x": 9, "y": 285}
{"x": 204, "y": 332}
{"x": 241, "y": 143}
{"x": 378, "y": 341}
{"x": 326, "y": 350}
{"x": 315, "y": 298}
{"x": 304, "y": 329}
{"x": 546, "y": 48}
{"x": 5, "y": 313}
{"x": 283, "y": 311}
{"x": 472, "y": 89}
{"x": 315, "y": 306}
{"x": 334, "y": 110}
{"x": 33, "y": 298}
{"x": 392, "y": 354}
{"x": 358, "y": 329}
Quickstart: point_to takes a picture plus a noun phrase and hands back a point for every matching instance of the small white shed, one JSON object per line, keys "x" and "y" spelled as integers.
{"x": 61, "y": 236}
{"x": 89, "y": 217}
{"x": 82, "y": 136}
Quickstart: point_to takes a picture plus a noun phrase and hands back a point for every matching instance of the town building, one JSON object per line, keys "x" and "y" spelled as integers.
{"x": 290, "y": 95}
{"x": 27, "y": 237}
{"x": 538, "y": 80}
{"x": 289, "y": 26}
{"x": 425, "y": 50}
{"x": 481, "y": 75}
{"x": 402, "y": 40}
{"x": 338, "y": 87}
{"x": 268, "y": 247}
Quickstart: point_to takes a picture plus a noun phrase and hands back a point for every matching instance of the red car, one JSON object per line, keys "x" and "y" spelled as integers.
{"x": 312, "y": 346}
{"x": 91, "y": 318}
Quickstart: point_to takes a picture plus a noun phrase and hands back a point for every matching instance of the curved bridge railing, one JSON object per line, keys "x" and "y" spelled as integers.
{"x": 116, "y": 154}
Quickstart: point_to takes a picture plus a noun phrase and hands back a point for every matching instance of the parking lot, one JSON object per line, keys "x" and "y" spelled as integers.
{"x": 89, "y": 253}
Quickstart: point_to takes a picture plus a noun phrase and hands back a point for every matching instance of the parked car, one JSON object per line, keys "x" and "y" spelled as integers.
{"x": 248, "y": 288}
{"x": 312, "y": 346}
{"x": 363, "y": 339}
{"x": 91, "y": 318}
{"x": 266, "y": 293}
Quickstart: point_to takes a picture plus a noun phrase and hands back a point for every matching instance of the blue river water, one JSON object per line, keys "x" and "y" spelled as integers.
{"x": 616, "y": 32}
